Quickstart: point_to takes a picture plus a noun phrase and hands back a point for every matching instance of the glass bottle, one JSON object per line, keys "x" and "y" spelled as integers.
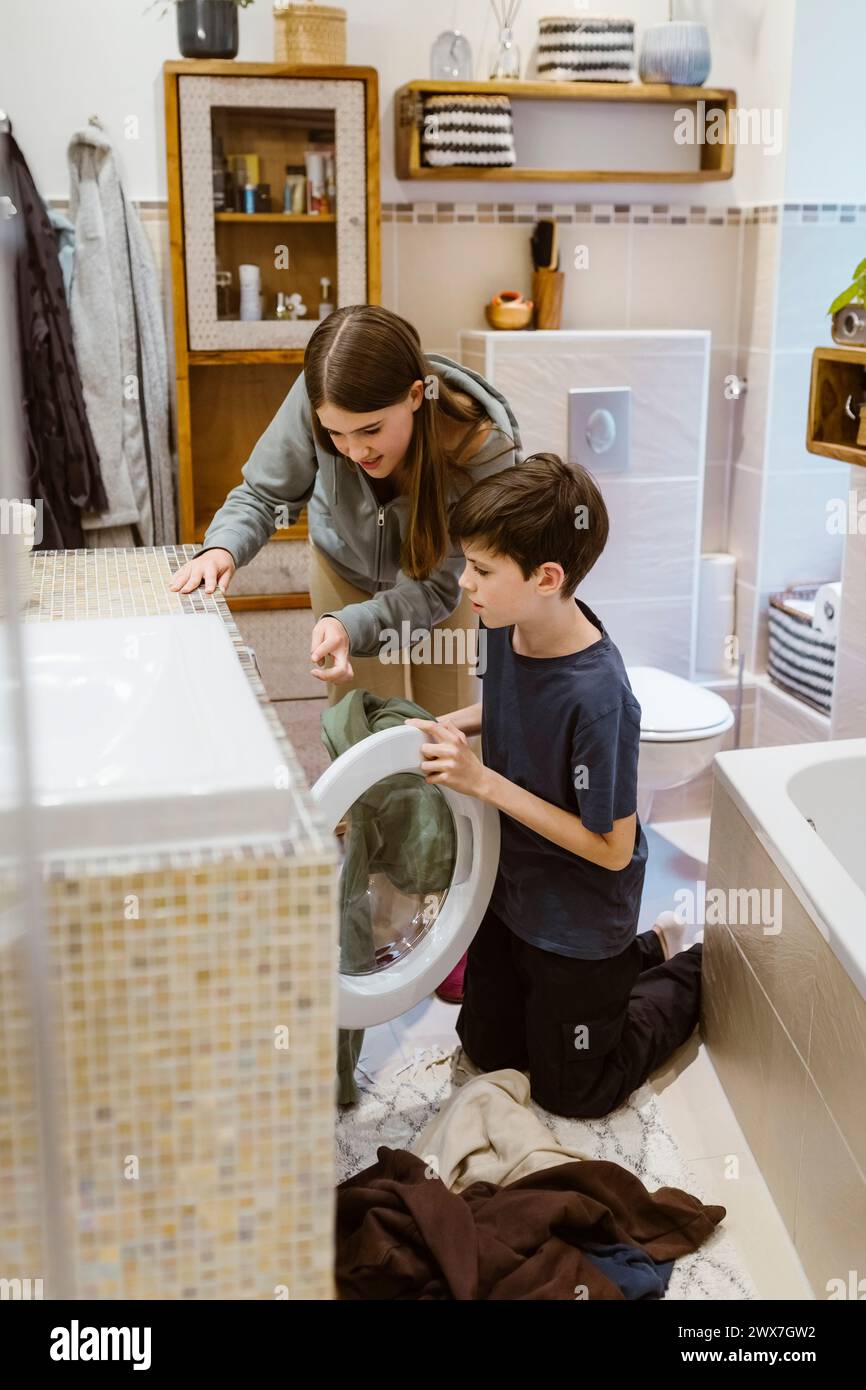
{"x": 451, "y": 57}
{"x": 506, "y": 56}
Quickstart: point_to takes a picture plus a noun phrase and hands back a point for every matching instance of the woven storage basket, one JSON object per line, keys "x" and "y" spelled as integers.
{"x": 599, "y": 48}
{"x": 800, "y": 660}
{"x": 310, "y": 34}
{"x": 467, "y": 130}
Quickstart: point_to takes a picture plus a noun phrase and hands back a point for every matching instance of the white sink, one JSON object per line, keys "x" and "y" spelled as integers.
{"x": 144, "y": 732}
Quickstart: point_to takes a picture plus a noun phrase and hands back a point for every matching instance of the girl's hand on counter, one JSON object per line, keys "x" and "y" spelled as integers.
{"x": 215, "y": 567}
{"x": 330, "y": 638}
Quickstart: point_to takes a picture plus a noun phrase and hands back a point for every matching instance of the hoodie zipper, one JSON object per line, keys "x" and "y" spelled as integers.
{"x": 380, "y": 521}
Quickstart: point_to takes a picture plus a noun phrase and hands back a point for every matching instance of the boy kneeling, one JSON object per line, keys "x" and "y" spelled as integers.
{"x": 558, "y": 981}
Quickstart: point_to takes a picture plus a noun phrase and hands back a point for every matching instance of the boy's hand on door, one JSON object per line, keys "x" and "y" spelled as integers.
{"x": 449, "y": 760}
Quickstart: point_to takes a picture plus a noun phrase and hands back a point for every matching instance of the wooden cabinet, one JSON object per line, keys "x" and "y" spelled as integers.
{"x": 233, "y": 373}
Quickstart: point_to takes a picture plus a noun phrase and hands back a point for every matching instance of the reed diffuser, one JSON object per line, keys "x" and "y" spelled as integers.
{"x": 505, "y": 61}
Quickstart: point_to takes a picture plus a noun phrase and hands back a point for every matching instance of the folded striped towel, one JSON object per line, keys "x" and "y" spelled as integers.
{"x": 800, "y": 659}
{"x": 461, "y": 130}
{"x": 597, "y": 49}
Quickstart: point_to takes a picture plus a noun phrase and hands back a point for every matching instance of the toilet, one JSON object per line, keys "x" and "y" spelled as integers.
{"x": 682, "y": 727}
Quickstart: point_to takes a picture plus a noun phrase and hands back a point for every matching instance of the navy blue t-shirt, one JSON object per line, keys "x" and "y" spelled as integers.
{"x": 568, "y": 729}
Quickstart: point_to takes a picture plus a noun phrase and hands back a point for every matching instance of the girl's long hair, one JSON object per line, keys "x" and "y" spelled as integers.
{"x": 362, "y": 358}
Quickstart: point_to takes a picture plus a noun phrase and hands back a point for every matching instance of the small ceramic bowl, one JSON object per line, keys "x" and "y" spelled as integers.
{"x": 509, "y": 309}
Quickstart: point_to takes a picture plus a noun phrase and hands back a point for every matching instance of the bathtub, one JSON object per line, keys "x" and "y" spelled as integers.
{"x": 806, "y": 804}
{"x": 783, "y": 1012}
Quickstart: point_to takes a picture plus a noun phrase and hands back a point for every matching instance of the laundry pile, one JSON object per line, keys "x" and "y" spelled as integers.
{"x": 489, "y": 1205}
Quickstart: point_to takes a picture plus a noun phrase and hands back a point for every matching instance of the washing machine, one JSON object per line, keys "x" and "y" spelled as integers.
{"x": 413, "y": 933}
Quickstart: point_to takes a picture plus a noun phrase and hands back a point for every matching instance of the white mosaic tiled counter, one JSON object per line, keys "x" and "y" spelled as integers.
{"x": 195, "y": 998}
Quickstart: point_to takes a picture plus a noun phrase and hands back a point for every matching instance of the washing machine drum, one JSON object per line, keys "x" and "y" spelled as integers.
{"x": 419, "y": 864}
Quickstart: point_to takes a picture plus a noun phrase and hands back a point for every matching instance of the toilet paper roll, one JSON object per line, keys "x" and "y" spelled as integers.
{"x": 716, "y": 583}
{"x": 828, "y": 606}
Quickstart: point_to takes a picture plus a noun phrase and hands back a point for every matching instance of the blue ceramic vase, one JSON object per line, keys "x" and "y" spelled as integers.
{"x": 677, "y": 52}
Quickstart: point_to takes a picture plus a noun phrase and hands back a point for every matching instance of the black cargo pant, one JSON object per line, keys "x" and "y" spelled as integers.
{"x": 588, "y": 1031}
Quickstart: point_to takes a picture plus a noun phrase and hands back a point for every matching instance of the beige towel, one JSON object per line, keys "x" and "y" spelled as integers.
{"x": 487, "y": 1133}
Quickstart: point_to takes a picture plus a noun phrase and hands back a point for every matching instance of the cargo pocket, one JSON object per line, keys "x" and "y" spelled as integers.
{"x": 585, "y": 1066}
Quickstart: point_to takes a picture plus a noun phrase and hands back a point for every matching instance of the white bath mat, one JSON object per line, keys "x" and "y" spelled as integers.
{"x": 394, "y": 1109}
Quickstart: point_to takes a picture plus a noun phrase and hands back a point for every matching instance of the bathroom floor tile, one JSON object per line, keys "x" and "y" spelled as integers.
{"x": 382, "y": 1048}
{"x": 430, "y": 1022}
{"x": 697, "y": 1107}
{"x": 756, "y": 1228}
{"x": 691, "y": 837}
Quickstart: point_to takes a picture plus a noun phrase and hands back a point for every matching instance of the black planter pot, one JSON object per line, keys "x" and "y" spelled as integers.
{"x": 207, "y": 28}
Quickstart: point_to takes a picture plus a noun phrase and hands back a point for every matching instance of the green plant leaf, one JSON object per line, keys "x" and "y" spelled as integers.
{"x": 846, "y": 297}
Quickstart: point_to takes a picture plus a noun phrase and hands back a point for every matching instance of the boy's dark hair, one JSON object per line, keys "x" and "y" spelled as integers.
{"x": 541, "y": 509}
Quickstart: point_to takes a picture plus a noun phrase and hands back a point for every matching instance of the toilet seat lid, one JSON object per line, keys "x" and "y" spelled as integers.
{"x": 671, "y": 705}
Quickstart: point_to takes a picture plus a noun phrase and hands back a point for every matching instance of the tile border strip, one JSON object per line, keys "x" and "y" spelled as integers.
{"x": 634, "y": 213}
{"x": 644, "y": 213}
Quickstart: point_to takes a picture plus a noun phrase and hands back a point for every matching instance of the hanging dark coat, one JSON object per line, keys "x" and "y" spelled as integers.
{"x": 61, "y": 462}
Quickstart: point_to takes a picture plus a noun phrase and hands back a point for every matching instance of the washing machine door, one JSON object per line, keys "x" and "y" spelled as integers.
{"x": 419, "y": 863}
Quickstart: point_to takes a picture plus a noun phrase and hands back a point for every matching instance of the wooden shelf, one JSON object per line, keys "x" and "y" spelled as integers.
{"x": 275, "y": 217}
{"x": 717, "y": 160}
{"x": 837, "y": 374}
{"x": 227, "y": 357}
{"x": 262, "y": 603}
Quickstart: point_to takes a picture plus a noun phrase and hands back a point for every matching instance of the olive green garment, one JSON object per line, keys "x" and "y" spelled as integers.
{"x": 401, "y": 827}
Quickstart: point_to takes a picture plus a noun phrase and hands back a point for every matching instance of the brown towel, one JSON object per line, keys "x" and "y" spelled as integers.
{"x": 402, "y": 1235}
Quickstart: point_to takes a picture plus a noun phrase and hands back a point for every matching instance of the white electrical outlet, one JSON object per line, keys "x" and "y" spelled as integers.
{"x": 599, "y": 427}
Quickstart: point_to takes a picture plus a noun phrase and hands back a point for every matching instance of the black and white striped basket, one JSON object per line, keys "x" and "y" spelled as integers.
{"x": 595, "y": 49}
{"x": 800, "y": 660}
{"x": 467, "y": 130}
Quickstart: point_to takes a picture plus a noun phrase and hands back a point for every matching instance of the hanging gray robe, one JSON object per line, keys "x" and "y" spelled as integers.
{"x": 120, "y": 347}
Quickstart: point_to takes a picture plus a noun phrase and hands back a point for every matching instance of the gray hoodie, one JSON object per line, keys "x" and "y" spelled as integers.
{"x": 360, "y": 536}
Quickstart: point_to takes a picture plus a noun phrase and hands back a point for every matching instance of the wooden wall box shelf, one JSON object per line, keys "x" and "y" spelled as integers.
{"x": 837, "y": 374}
{"x": 717, "y": 160}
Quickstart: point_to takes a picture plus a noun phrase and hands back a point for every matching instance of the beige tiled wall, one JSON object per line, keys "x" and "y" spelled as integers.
{"x": 786, "y": 1031}
{"x": 652, "y": 273}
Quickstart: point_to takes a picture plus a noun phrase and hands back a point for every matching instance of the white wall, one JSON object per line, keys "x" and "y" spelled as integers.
{"x": 827, "y": 131}
{"x": 62, "y": 60}
{"x": 751, "y": 43}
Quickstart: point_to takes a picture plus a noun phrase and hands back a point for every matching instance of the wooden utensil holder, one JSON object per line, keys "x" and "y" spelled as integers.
{"x": 547, "y": 287}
